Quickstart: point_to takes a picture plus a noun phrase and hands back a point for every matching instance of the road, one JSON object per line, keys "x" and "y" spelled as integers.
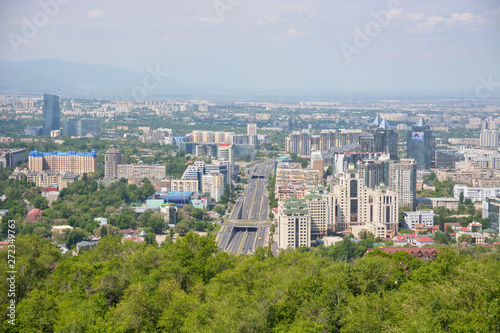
{"x": 241, "y": 238}
{"x": 254, "y": 204}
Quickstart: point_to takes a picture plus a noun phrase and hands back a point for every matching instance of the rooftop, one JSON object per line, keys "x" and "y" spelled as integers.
{"x": 36, "y": 153}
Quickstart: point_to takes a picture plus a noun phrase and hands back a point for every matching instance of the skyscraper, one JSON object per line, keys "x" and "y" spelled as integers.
{"x": 51, "y": 113}
{"x": 421, "y": 144}
{"x": 112, "y": 158}
{"x": 385, "y": 139}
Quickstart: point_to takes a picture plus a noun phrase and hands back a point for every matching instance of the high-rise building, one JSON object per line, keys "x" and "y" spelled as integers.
{"x": 213, "y": 183}
{"x": 51, "y": 113}
{"x": 317, "y": 206}
{"x": 76, "y": 163}
{"x": 86, "y": 127}
{"x": 294, "y": 224}
{"x": 488, "y": 138}
{"x": 493, "y": 209}
{"x": 386, "y": 140}
{"x": 421, "y": 144}
{"x": 400, "y": 177}
{"x": 403, "y": 181}
{"x": 374, "y": 172}
{"x": 69, "y": 126}
{"x": 81, "y": 127}
{"x": 252, "y": 129}
{"x": 356, "y": 207}
{"x": 225, "y": 152}
{"x": 317, "y": 162}
{"x": 112, "y": 158}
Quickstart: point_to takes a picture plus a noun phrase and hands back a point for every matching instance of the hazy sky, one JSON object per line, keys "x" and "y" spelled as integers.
{"x": 425, "y": 45}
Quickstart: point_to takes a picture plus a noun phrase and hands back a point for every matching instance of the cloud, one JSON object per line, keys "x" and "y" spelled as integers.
{"x": 431, "y": 24}
{"x": 260, "y": 23}
{"x": 210, "y": 20}
{"x": 292, "y": 33}
{"x": 95, "y": 14}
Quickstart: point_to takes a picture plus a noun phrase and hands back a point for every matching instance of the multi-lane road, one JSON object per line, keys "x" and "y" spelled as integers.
{"x": 254, "y": 204}
{"x": 239, "y": 236}
{"x": 244, "y": 239}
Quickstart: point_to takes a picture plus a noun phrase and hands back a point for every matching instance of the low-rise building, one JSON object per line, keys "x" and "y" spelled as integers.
{"x": 475, "y": 193}
{"x": 411, "y": 219}
{"x": 449, "y": 203}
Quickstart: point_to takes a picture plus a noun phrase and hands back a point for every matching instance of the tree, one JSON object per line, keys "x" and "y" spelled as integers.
{"x": 449, "y": 229}
{"x": 441, "y": 238}
{"x": 465, "y": 238}
{"x": 220, "y": 210}
{"x": 197, "y": 213}
{"x": 461, "y": 199}
{"x": 471, "y": 209}
{"x": 188, "y": 208}
{"x": 182, "y": 228}
{"x": 76, "y": 236}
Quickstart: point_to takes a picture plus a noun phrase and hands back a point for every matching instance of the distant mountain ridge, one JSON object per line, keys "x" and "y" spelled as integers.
{"x": 42, "y": 76}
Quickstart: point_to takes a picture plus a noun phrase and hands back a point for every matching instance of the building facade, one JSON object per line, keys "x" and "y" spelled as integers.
{"x": 294, "y": 225}
{"x": 73, "y": 162}
{"x": 12, "y": 157}
{"x": 112, "y": 158}
{"x": 425, "y": 217}
{"x": 51, "y": 113}
{"x": 141, "y": 172}
{"x": 386, "y": 140}
{"x": 352, "y": 204}
{"x": 488, "y": 138}
{"x": 421, "y": 144}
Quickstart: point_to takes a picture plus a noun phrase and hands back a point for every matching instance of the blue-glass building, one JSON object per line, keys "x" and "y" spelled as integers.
{"x": 421, "y": 144}
{"x": 51, "y": 113}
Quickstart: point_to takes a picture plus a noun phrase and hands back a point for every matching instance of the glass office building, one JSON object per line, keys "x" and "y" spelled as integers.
{"x": 421, "y": 144}
{"x": 51, "y": 113}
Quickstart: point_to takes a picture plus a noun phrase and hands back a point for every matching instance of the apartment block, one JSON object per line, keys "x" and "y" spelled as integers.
{"x": 140, "y": 172}
{"x": 180, "y": 185}
{"x": 73, "y": 162}
{"x": 112, "y": 158}
{"x": 294, "y": 224}
{"x": 213, "y": 183}
{"x": 12, "y": 157}
{"x": 423, "y": 217}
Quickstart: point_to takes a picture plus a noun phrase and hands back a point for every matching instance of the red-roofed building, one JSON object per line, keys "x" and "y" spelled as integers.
{"x": 4, "y": 245}
{"x": 464, "y": 230}
{"x": 400, "y": 240}
{"x": 454, "y": 225}
{"x": 423, "y": 253}
{"x": 33, "y": 215}
{"x": 424, "y": 241}
{"x": 434, "y": 228}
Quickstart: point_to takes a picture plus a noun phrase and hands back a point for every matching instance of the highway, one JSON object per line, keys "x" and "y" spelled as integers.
{"x": 241, "y": 238}
{"x": 254, "y": 204}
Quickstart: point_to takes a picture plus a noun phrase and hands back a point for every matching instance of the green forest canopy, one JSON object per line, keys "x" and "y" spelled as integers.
{"x": 191, "y": 286}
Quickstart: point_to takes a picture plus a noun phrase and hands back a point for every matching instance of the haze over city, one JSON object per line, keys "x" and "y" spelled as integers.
{"x": 422, "y": 47}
